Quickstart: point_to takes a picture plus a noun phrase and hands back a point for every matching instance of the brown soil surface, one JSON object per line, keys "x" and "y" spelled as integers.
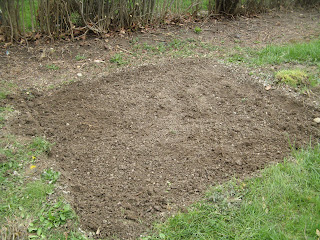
{"x": 139, "y": 143}
{"x": 136, "y": 144}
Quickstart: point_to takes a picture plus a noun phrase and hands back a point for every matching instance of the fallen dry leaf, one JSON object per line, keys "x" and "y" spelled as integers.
{"x": 7, "y": 45}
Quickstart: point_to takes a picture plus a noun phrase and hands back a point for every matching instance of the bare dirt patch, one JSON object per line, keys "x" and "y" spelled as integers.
{"x": 138, "y": 144}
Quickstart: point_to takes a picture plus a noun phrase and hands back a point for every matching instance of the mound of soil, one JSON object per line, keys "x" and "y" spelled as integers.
{"x": 139, "y": 144}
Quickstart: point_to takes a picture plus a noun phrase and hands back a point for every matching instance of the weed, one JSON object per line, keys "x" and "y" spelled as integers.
{"x": 191, "y": 40}
{"x": 161, "y": 47}
{"x": 134, "y": 40}
{"x": 52, "y": 67}
{"x": 5, "y": 88}
{"x": 118, "y": 59}
{"x": 69, "y": 81}
{"x": 80, "y": 57}
{"x": 176, "y": 44}
{"x": 51, "y": 86}
{"x": 3, "y": 95}
{"x": 49, "y": 217}
{"x": 197, "y": 30}
{"x": 208, "y": 46}
{"x": 50, "y": 175}
{"x": 39, "y": 145}
{"x": 149, "y": 47}
{"x": 236, "y": 58}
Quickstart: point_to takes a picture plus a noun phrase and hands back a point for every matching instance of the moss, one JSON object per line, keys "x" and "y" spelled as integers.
{"x": 294, "y": 78}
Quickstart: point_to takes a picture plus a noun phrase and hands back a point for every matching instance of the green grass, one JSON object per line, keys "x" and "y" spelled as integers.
{"x": 173, "y": 48}
{"x": 118, "y": 59}
{"x": 282, "y": 203}
{"x": 26, "y": 211}
{"x": 80, "y": 57}
{"x": 3, "y": 95}
{"x": 304, "y": 53}
{"x": 52, "y": 67}
{"x": 308, "y": 52}
{"x": 6, "y": 88}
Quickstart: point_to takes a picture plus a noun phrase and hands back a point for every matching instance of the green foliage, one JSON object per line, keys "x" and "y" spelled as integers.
{"x": 39, "y": 145}
{"x": 308, "y": 52}
{"x": 28, "y": 16}
{"x": 197, "y": 30}
{"x": 80, "y": 57}
{"x": 49, "y": 217}
{"x": 3, "y": 95}
{"x": 50, "y": 175}
{"x": 25, "y": 211}
{"x": 236, "y": 57}
{"x": 5, "y": 88}
{"x": 76, "y": 19}
{"x": 283, "y": 203}
{"x": 52, "y": 67}
{"x": 118, "y": 59}
{"x": 295, "y": 78}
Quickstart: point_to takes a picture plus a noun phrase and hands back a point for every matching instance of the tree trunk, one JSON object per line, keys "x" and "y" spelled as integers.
{"x": 226, "y": 6}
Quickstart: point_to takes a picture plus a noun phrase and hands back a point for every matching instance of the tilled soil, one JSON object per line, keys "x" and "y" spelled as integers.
{"x": 138, "y": 144}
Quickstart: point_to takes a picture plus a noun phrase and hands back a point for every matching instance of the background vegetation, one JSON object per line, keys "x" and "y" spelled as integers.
{"x": 23, "y": 19}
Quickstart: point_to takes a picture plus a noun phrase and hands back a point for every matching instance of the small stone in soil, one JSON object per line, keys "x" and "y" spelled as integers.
{"x": 317, "y": 120}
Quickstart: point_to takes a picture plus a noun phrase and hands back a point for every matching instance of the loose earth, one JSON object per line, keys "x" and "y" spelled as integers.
{"x": 137, "y": 145}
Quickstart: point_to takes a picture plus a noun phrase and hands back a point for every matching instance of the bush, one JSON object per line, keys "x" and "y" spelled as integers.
{"x": 58, "y": 18}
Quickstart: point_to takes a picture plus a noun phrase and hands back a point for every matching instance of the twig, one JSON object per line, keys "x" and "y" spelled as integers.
{"x": 122, "y": 49}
